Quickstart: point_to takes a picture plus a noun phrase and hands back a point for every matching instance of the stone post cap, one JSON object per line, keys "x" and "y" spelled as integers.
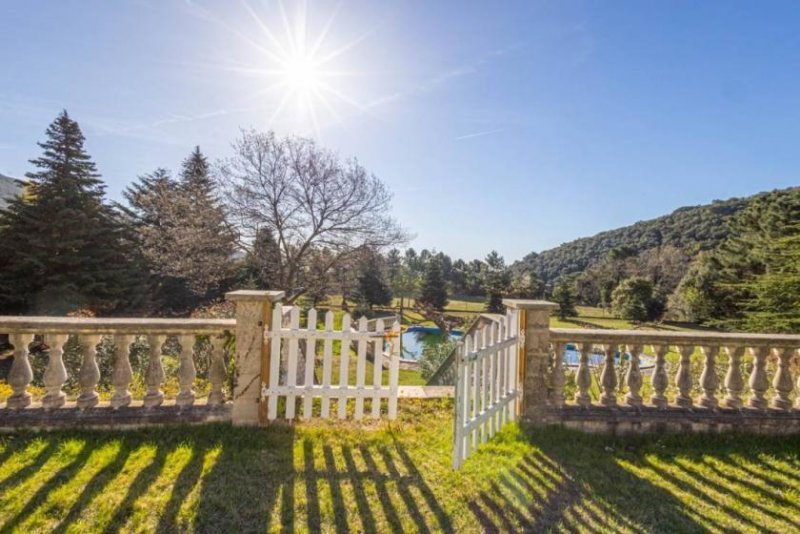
{"x": 523, "y": 304}
{"x": 251, "y": 295}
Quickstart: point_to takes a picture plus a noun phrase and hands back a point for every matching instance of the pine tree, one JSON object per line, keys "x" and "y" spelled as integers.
{"x": 775, "y": 304}
{"x": 496, "y": 282}
{"x": 156, "y": 220}
{"x": 206, "y": 240}
{"x": 371, "y": 288}
{"x": 565, "y": 298}
{"x": 262, "y": 263}
{"x": 753, "y": 263}
{"x": 62, "y": 246}
{"x": 434, "y": 292}
{"x": 184, "y": 235}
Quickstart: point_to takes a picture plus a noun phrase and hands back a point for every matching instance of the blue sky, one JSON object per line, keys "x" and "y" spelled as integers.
{"x": 507, "y": 126}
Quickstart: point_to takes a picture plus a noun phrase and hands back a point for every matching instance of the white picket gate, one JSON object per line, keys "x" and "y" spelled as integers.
{"x": 294, "y": 352}
{"x": 487, "y": 385}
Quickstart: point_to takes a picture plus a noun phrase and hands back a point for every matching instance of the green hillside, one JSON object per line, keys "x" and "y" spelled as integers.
{"x": 691, "y": 229}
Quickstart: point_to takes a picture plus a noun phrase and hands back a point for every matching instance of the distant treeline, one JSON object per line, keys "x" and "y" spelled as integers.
{"x": 729, "y": 264}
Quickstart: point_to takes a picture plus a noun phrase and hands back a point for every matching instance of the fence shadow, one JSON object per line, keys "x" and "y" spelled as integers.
{"x": 573, "y": 482}
{"x": 548, "y": 490}
{"x": 223, "y": 479}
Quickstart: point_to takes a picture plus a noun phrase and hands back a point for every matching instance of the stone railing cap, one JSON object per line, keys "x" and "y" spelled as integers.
{"x": 646, "y": 337}
{"x": 254, "y": 295}
{"x": 523, "y": 304}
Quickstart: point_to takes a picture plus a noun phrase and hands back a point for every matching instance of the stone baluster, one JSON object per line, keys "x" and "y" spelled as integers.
{"x": 89, "y": 375}
{"x": 797, "y": 398}
{"x": 122, "y": 371}
{"x": 758, "y": 378}
{"x": 608, "y": 378}
{"x": 584, "y": 377}
{"x": 734, "y": 383}
{"x": 186, "y": 371}
{"x": 557, "y": 378}
{"x": 20, "y": 374}
{"x": 782, "y": 382}
{"x": 633, "y": 378}
{"x": 683, "y": 380}
{"x": 660, "y": 379}
{"x": 217, "y": 371}
{"x": 56, "y": 374}
{"x": 708, "y": 379}
{"x": 154, "y": 375}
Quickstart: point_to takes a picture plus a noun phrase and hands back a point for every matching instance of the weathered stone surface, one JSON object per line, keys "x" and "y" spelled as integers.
{"x": 534, "y": 324}
{"x": 21, "y": 373}
{"x": 104, "y": 416}
{"x": 89, "y": 375}
{"x": 56, "y": 374}
{"x": 625, "y": 420}
{"x": 154, "y": 375}
{"x": 253, "y": 316}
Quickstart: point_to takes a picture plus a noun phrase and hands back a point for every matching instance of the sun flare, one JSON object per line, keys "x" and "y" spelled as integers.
{"x": 301, "y": 69}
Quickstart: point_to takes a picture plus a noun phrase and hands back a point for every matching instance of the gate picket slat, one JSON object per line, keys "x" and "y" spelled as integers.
{"x": 468, "y": 344}
{"x": 476, "y": 401}
{"x": 361, "y": 367}
{"x": 394, "y": 373}
{"x": 275, "y": 361}
{"x": 327, "y": 364}
{"x": 344, "y": 363}
{"x": 513, "y": 364}
{"x": 311, "y": 359}
{"x": 501, "y": 369}
{"x": 291, "y": 363}
{"x": 485, "y": 383}
{"x": 490, "y": 364}
{"x": 377, "y": 368}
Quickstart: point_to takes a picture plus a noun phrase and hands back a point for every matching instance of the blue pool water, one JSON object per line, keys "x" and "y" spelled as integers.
{"x": 572, "y": 358}
{"x": 417, "y": 338}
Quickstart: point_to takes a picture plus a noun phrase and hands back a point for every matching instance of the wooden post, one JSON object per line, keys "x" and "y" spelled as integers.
{"x": 534, "y": 340}
{"x": 253, "y": 319}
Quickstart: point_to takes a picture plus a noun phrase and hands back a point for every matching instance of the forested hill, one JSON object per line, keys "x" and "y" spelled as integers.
{"x": 690, "y": 228}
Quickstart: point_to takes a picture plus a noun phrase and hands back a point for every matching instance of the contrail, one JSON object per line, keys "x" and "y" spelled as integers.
{"x": 478, "y": 134}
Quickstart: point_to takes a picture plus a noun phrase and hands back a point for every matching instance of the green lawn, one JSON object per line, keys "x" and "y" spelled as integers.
{"x": 394, "y": 477}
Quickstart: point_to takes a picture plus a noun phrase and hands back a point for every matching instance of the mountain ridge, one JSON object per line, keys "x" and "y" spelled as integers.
{"x": 689, "y": 228}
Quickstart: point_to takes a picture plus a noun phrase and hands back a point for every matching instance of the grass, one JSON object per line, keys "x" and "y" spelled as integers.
{"x": 394, "y": 477}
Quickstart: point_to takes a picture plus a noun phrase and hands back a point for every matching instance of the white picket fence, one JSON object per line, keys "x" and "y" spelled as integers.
{"x": 487, "y": 385}
{"x": 295, "y": 353}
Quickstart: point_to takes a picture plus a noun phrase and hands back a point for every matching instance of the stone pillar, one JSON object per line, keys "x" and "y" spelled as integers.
{"x": 253, "y": 318}
{"x": 534, "y": 332}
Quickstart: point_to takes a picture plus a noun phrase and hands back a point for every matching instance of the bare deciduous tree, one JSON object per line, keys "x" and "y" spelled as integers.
{"x": 310, "y": 199}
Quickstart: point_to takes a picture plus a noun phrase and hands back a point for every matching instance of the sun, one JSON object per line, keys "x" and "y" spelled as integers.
{"x": 301, "y": 70}
{"x": 301, "y": 74}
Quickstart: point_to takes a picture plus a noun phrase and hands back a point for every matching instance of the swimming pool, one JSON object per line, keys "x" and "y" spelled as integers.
{"x": 572, "y": 358}
{"x": 416, "y": 339}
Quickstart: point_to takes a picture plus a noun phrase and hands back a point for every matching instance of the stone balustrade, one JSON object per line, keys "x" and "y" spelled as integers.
{"x": 691, "y": 381}
{"x": 53, "y": 333}
{"x": 695, "y": 352}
